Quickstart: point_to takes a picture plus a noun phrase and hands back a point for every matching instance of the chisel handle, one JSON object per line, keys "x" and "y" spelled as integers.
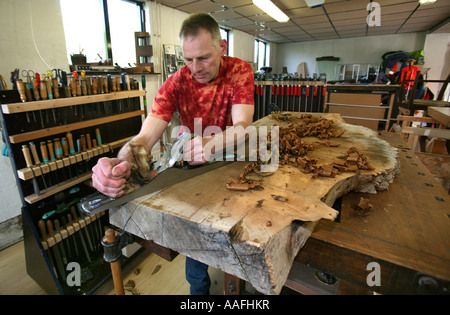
{"x": 42, "y": 229}
{"x": 98, "y": 136}
{"x": 21, "y": 90}
{"x": 27, "y": 155}
{"x": 58, "y": 148}
{"x": 34, "y": 152}
{"x": 65, "y": 146}
{"x": 48, "y": 84}
{"x": 73, "y": 211}
{"x": 50, "y": 150}
{"x": 44, "y": 152}
{"x": 71, "y": 146}
{"x": 88, "y": 141}
{"x": 37, "y": 97}
{"x": 43, "y": 90}
{"x": 51, "y": 233}
{"x": 55, "y": 88}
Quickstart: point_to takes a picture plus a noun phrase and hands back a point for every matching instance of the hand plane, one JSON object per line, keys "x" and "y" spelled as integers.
{"x": 168, "y": 174}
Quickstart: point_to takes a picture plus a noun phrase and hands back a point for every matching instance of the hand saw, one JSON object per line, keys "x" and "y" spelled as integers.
{"x": 168, "y": 175}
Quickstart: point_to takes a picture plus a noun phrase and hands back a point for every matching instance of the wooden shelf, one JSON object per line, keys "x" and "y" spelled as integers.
{"x": 38, "y": 170}
{"x": 42, "y": 133}
{"x": 69, "y": 101}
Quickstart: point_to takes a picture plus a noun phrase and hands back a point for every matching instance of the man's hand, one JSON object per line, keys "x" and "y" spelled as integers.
{"x": 193, "y": 152}
{"x": 110, "y": 175}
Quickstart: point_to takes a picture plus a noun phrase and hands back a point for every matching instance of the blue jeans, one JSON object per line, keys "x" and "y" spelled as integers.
{"x": 197, "y": 276}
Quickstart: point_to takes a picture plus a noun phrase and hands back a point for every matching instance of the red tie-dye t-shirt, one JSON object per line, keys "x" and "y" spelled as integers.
{"x": 211, "y": 101}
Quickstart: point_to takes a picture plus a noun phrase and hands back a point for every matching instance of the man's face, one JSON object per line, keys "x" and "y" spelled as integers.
{"x": 202, "y": 57}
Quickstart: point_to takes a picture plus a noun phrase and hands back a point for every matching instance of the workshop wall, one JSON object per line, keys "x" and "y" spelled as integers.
{"x": 350, "y": 50}
{"x": 32, "y": 37}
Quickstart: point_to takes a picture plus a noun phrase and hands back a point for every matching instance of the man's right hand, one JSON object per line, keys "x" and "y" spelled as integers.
{"x": 110, "y": 175}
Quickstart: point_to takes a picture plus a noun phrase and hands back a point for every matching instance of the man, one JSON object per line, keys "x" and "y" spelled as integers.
{"x": 212, "y": 88}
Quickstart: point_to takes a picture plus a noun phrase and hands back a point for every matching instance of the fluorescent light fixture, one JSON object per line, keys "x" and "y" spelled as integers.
{"x": 425, "y": 2}
{"x": 272, "y": 10}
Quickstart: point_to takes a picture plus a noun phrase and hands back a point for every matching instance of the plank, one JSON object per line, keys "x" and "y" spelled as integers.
{"x": 250, "y": 234}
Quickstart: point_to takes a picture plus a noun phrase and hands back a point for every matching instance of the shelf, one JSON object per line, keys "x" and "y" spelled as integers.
{"x": 42, "y": 133}
{"x": 69, "y": 101}
{"x": 42, "y": 169}
{"x": 57, "y": 188}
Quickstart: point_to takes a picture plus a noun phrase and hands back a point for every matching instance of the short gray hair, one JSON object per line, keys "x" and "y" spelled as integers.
{"x": 197, "y": 21}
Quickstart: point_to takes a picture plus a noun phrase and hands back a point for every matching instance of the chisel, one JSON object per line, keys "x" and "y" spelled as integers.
{"x": 99, "y": 137}
{"x": 73, "y": 211}
{"x": 37, "y": 161}
{"x": 71, "y": 238}
{"x": 55, "y": 249}
{"x": 64, "y": 241}
{"x": 43, "y": 230}
{"x": 21, "y": 90}
{"x": 58, "y": 239}
{"x": 29, "y": 162}
{"x": 79, "y": 236}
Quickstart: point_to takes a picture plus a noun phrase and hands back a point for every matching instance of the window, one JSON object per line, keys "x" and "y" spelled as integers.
{"x": 89, "y": 30}
{"x": 225, "y": 35}
{"x": 262, "y": 54}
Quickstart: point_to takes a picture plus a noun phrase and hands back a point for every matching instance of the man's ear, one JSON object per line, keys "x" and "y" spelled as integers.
{"x": 223, "y": 47}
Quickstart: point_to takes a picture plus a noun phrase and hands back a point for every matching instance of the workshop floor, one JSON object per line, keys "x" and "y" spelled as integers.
{"x": 145, "y": 274}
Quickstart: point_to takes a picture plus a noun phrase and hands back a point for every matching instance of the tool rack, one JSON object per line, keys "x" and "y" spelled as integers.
{"x": 56, "y": 233}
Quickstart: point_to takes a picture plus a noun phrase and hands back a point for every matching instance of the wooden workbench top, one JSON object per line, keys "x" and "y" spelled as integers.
{"x": 250, "y": 234}
{"x": 407, "y": 233}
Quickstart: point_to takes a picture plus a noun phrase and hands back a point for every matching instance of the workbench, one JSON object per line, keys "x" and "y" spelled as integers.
{"x": 407, "y": 234}
{"x": 248, "y": 234}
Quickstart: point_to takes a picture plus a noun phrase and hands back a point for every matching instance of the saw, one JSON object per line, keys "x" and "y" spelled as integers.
{"x": 168, "y": 174}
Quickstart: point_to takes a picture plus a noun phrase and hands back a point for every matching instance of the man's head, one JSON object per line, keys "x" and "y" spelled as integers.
{"x": 202, "y": 46}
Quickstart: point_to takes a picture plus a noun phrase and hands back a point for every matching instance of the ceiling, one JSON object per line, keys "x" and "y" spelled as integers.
{"x": 333, "y": 20}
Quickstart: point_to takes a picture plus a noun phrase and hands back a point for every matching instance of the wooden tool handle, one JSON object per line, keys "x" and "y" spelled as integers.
{"x": 43, "y": 90}
{"x": 99, "y": 137}
{"x": 57, "y": 226}
{"x": 48, "y": 84}
{"x": 83, "y": 143}
{"x": 83, "y": 87}
{"x": 41, "y": 225}
{"x": 71, "y": 146}
{"x": 58, "y": 148}
{"x": 65, "y": 146}
{"x": 35, "y": 89}
{"x": 69, "y": 218}
{"x": 73, "y": 86}
{"x": 51, "y": 152}
{"x": 21, "y": 89}
{"x": 88, "y": 141}
{"x": 50, "y": 228}
{"x": 78, "y": 87}
{"x": 44, "y": 152}
{"x": 34, "y": 152}
{"x": 27, "y": 155}
{"x": 73, "y": 211}
{"x": 95, "y": 85}
{"x": 55, "y": 88}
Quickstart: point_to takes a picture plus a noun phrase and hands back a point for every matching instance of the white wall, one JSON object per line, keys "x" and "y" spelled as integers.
{"x": 30, "y": 30}
{"x": 349, "y": 50}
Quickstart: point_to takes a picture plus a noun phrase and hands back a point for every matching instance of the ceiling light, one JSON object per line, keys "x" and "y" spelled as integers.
{"x": 271, "y": 9}
{"x": 425, "y": 2}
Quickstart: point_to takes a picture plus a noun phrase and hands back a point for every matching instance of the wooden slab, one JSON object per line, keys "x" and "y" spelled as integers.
{"x": 250, "y": 234}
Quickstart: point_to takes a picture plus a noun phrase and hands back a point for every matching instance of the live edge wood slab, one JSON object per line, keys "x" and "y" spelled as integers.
{"x": 250, "y": 234}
